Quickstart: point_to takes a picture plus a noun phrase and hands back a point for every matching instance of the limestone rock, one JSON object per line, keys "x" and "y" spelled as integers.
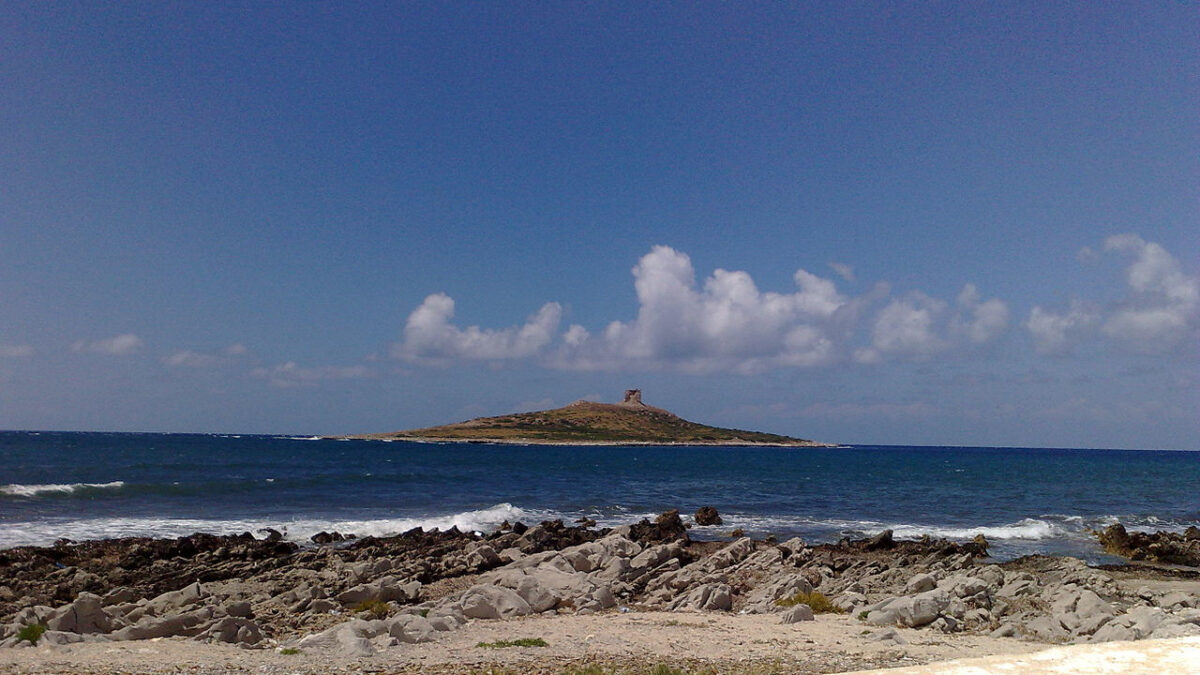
{"x": 485, "y": 601}
{"x": 84, "y": 615}
{"x": 709, "y": 597}
{"x": 797, "y": 613}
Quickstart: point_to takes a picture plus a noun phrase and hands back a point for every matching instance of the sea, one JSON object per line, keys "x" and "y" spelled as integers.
{"x": 81, "y": 486}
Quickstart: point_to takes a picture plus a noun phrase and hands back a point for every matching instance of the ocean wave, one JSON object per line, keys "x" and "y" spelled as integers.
{"x": 832, "y": 528}
{"x": 20, "y": 490}
{"x": 300, "y": 530}
{"x": 1027, "y": 528}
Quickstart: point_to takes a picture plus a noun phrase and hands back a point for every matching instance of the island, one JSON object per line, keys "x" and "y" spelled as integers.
{"x": 630, "y": 422}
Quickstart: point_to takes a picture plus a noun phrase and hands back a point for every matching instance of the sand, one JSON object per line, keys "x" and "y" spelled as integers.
{"x": 721, "y": 642}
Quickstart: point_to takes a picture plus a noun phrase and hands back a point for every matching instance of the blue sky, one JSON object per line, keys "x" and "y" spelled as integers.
{"x": 942, "y": 223}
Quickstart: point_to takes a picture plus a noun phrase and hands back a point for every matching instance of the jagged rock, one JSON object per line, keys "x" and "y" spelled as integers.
{"x": 84, "y": 615}
{"x": 709, "y": 597}
{"x": 1025, "y": 584}
{"x": 919, "y": 584}
{"x": 411, "y": 628}
{"x": 387, "y": 589}
{"x": 1164, "y": 547}
{"x": 232, "y": 629}
{"x": 485, "y": 601}
{"x": 912, "y": 611}
{"x": 322, "y": 538}
{"x": 1080, "y": 612}
{"x": 762, "y": 599}
{"x": 187, "y": 624}
{"x": 667, "y": 527}
{"x": 797, "y": 613}
{"x": 176, "y": 600}
{"x": 707, "y": 515}
{"x": 1005, "y": 630}
{"x": 883, "y": 540}
{"x": 59, "y": 637}
{"x": 482, "y": 556}
{"x": 240, "y": 609}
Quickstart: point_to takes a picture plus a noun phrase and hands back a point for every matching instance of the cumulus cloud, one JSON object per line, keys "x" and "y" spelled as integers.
{"x": 726, "y": 324}
{"x": 906, "y": 327}
{"x": 1057, "y": 333}
{"x": 120, "y": 345}
{"x": 723, "y": 323}
{"x": 15, "y": 351}
{"x": 1163, "y": 309}
{"x": 190, "y": 359}
{"x": 979, "y": 321}
{"x": 1159, "y": 314}
{"x": 291, "y": 374}
{"x": 430, "y": 337}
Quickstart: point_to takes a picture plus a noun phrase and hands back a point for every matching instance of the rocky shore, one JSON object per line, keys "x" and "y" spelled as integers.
{"x": 428, "y": 600}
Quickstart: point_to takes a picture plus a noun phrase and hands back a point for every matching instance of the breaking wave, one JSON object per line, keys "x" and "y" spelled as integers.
{"x": 19, "y": 490}
{"x": 43, "y": 533}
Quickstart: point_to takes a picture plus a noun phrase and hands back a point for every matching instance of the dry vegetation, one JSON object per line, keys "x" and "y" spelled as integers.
{"x": 587, "y": 422}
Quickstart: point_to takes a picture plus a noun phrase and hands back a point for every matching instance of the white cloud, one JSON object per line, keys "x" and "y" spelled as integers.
{"x": 15, "y": 351}
{"x": 728, "y": 324}
{"x": 1056, "y": 334}
{"x": 292, "y": 375}
{"x": 906, "y": 328}
{"x": 189, "y": 359}
{"x": 843, "y": 270}
{"x": 724, "y": 323}
{"x": 1160, "y": 313}
{"x": 429, "y": 337}
{"x": 985, "y": 320}
{"x": 120, "y": 345}
{"x": 1164, "y": 306}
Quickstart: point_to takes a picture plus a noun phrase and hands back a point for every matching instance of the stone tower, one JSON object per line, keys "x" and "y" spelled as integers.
{"x": 633, "y": 397}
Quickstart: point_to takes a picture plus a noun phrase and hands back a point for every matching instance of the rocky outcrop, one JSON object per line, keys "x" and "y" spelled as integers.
{"x": 1160, "y": 547}
{"x": 361, "y": 596}
{"x": 707, "y": 515}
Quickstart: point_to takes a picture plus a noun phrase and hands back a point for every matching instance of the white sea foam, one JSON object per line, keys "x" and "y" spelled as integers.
{"x": 1026, "y": 529}
{"x": 19, "y": 490}
{"x": 43, "y": 533}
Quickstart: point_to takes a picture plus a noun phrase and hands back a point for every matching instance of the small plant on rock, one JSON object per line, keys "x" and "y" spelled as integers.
{"x": 815, "y": 600}
{"x": 31, "y": 633}
{"x": 376, "y": 609}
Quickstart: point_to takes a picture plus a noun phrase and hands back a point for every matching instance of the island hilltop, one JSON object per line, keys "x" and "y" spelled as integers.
{"x": 629, "y": 422}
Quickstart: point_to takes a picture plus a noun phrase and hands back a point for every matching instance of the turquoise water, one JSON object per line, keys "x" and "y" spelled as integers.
{"x": 91, "y": 485}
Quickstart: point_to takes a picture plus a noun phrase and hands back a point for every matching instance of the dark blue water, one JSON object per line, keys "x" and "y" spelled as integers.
{"x": 90, "y": 485}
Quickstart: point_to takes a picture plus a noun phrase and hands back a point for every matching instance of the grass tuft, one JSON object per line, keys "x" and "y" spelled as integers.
{"x": 289, "y": 651}
{"x": 522, "y": 642}
{"x": 31, "y": 633}
{"x": 815, "y": 600}
{"x": 376, "y": 609}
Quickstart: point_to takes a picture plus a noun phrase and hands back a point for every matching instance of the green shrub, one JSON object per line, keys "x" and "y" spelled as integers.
{"x": 815, "y": 600}
{"x": 289, "y": 651}
{"x": 32, "y": 633}
{"x": 522, "y": 642}
{"x": 376, "y": 609}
